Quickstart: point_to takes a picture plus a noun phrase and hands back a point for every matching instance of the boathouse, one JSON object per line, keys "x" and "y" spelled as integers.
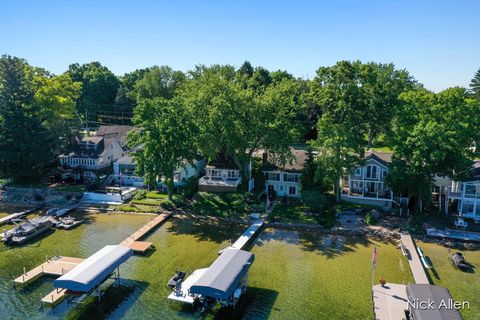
{"x": 226, "y": 279}
{"x": 87, "y": 276}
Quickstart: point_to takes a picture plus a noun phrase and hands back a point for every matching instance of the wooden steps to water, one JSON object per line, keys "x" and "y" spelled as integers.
{"x": 141, "y": 246}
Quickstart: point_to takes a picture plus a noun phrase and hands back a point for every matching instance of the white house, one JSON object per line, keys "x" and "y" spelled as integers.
{"x": 220, "y": 176}
{"x": 366, "y": 184}
{"x": 466, "y": 194}
{"x": 284, "y": 180}
{"x": 124, "y": 172}
{"x": 89, "y": 158}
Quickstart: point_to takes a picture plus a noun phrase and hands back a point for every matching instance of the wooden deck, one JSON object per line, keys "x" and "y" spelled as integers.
{"x": 55, "y": 266}
{"x": 141, "y": 246}
{"x": 414, "y": 260}
{"x": 54, "y": 297}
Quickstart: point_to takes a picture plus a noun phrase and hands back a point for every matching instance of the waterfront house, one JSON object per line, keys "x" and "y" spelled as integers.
{"x": 89, "y": 158}
{"x": 221, "y": 175}
{"x": 366, "y": 183}
{"x": 93, "y": 156}
{"x": 464, "y": 195}
{"x": 124, "y": 172}
{"x": 284, "y": 179}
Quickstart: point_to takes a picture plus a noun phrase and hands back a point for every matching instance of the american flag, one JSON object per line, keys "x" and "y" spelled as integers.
{"x": 374, "y": 257}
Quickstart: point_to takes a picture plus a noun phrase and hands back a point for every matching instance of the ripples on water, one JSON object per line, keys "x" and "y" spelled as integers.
{"x": 295, "y": 275}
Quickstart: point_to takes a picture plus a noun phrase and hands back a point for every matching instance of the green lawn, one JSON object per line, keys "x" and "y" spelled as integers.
{"x": 221, "y": 204}
{"x": 292, "y": 213}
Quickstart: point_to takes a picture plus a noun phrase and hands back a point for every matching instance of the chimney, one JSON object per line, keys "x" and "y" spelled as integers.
{"x": 265, "y": 157}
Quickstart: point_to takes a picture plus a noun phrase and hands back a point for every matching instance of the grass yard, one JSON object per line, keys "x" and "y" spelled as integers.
{"x": 292, "y": 213}
{"x": 222, "y": 204}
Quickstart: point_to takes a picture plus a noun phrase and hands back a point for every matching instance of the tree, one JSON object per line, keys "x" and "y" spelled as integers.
{"x": 381, "y": 85}
{"x": 56, "y": 101}
{"x": 157, "y": 82}
{"x": 475, "y": 85}
{"x": 237, "y": 121}
{"x": 99, "y": 89}
{"x": 164, "y": 142}
{"x": 432, "y": 135}
{"x": 341, "y": 126}
{"x": 25, "y": 144}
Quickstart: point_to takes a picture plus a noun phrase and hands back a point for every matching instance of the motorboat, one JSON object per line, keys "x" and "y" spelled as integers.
{"x": 27, "y": 230}
{"x": 67, "y": 223}
{"x": 176, "y": 279}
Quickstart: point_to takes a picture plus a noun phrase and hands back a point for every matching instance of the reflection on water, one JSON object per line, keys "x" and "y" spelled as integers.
{"x": 295, "y": 275}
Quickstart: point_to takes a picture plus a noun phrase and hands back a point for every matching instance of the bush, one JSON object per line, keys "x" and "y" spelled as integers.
{"x": 313, "y": 199}
{"x": 191, "y": 187}
{"x": 370, "y": 219}
{"x": 140, "y": 195}
{"x": 328, "y": 218}
{"x": 414, "y": 224}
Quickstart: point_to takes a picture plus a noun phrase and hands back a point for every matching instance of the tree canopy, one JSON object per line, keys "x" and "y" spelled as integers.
{"x": 164, "y": 142}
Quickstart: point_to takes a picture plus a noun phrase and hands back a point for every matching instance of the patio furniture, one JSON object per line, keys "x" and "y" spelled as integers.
{"x": 460, "y": 223}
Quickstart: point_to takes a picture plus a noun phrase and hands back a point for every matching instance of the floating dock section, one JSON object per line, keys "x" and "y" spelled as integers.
{"x": 20, "y": 214}
{"x": 142, "y": 246}
{"x": 414, "y": 260}
{"x": 182, "y": 293}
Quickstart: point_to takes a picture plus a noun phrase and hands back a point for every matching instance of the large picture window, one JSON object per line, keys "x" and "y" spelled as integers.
{"x": 371, "y": 172}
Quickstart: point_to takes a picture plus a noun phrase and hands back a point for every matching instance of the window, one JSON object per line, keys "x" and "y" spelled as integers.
{"x": 371, "y": 172}
{"x": 384, "y": 173}
{"x": 290, "y": 177}
{"x": 358, "y": 172}
{"x": 467, "y": 207}
{"x": 292, "y": 190}
{"x": 272, "y": 176}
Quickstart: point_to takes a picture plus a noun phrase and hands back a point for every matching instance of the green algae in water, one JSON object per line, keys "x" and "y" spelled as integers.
{"x": 464, "y": 286}
{"x": 295, "y": 275}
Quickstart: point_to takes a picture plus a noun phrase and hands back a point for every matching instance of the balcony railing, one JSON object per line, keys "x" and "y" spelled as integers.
{"x": 382, "y": 194}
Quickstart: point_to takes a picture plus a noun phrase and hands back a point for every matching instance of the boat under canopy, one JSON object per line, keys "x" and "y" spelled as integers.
{"x": 94, "y": 270}
{"x": 224, "y": 276}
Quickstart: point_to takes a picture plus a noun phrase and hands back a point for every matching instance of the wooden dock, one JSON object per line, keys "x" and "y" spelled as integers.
{"x": 19, "y": 214}
{"x": 141, "y": 246}
{"x": 55, "y": 266}
{"x": 414, "y": 260}
{"x": 54, "y": 297}
{"x": 246, "y": 236}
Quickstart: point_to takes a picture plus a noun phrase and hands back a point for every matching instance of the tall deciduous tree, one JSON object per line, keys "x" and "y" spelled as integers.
{"x": 157, "y": 82}
{"x": 56, "y": 100}
{"x": 237, "y": 121}
{"x": 341, "y": 126}
{"x": 433, "y": 133}
{"x": 99, "y": 89}
{"x": 164, "y": 141}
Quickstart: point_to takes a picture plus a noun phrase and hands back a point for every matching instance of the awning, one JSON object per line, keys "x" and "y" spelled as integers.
{"x": 94, "y": 270}
{"x": 419, "y": 296}
{"x": 224, "y": 275}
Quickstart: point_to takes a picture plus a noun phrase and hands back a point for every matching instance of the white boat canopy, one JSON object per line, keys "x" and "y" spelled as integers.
{"x": 94, "y": 270}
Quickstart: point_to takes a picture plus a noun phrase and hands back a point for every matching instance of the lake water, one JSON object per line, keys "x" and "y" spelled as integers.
{"x": 295, "y": 275}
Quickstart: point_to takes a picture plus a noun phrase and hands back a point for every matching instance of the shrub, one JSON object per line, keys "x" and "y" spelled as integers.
{"x": 313, "y": 199}
{"x": 370, "y": 219}
{"x": 414, "y": 224}
{"x": 140, "y": 195}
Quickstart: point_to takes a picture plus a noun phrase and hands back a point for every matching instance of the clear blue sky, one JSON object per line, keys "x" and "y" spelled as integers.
{"x": 437, "y": 41}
